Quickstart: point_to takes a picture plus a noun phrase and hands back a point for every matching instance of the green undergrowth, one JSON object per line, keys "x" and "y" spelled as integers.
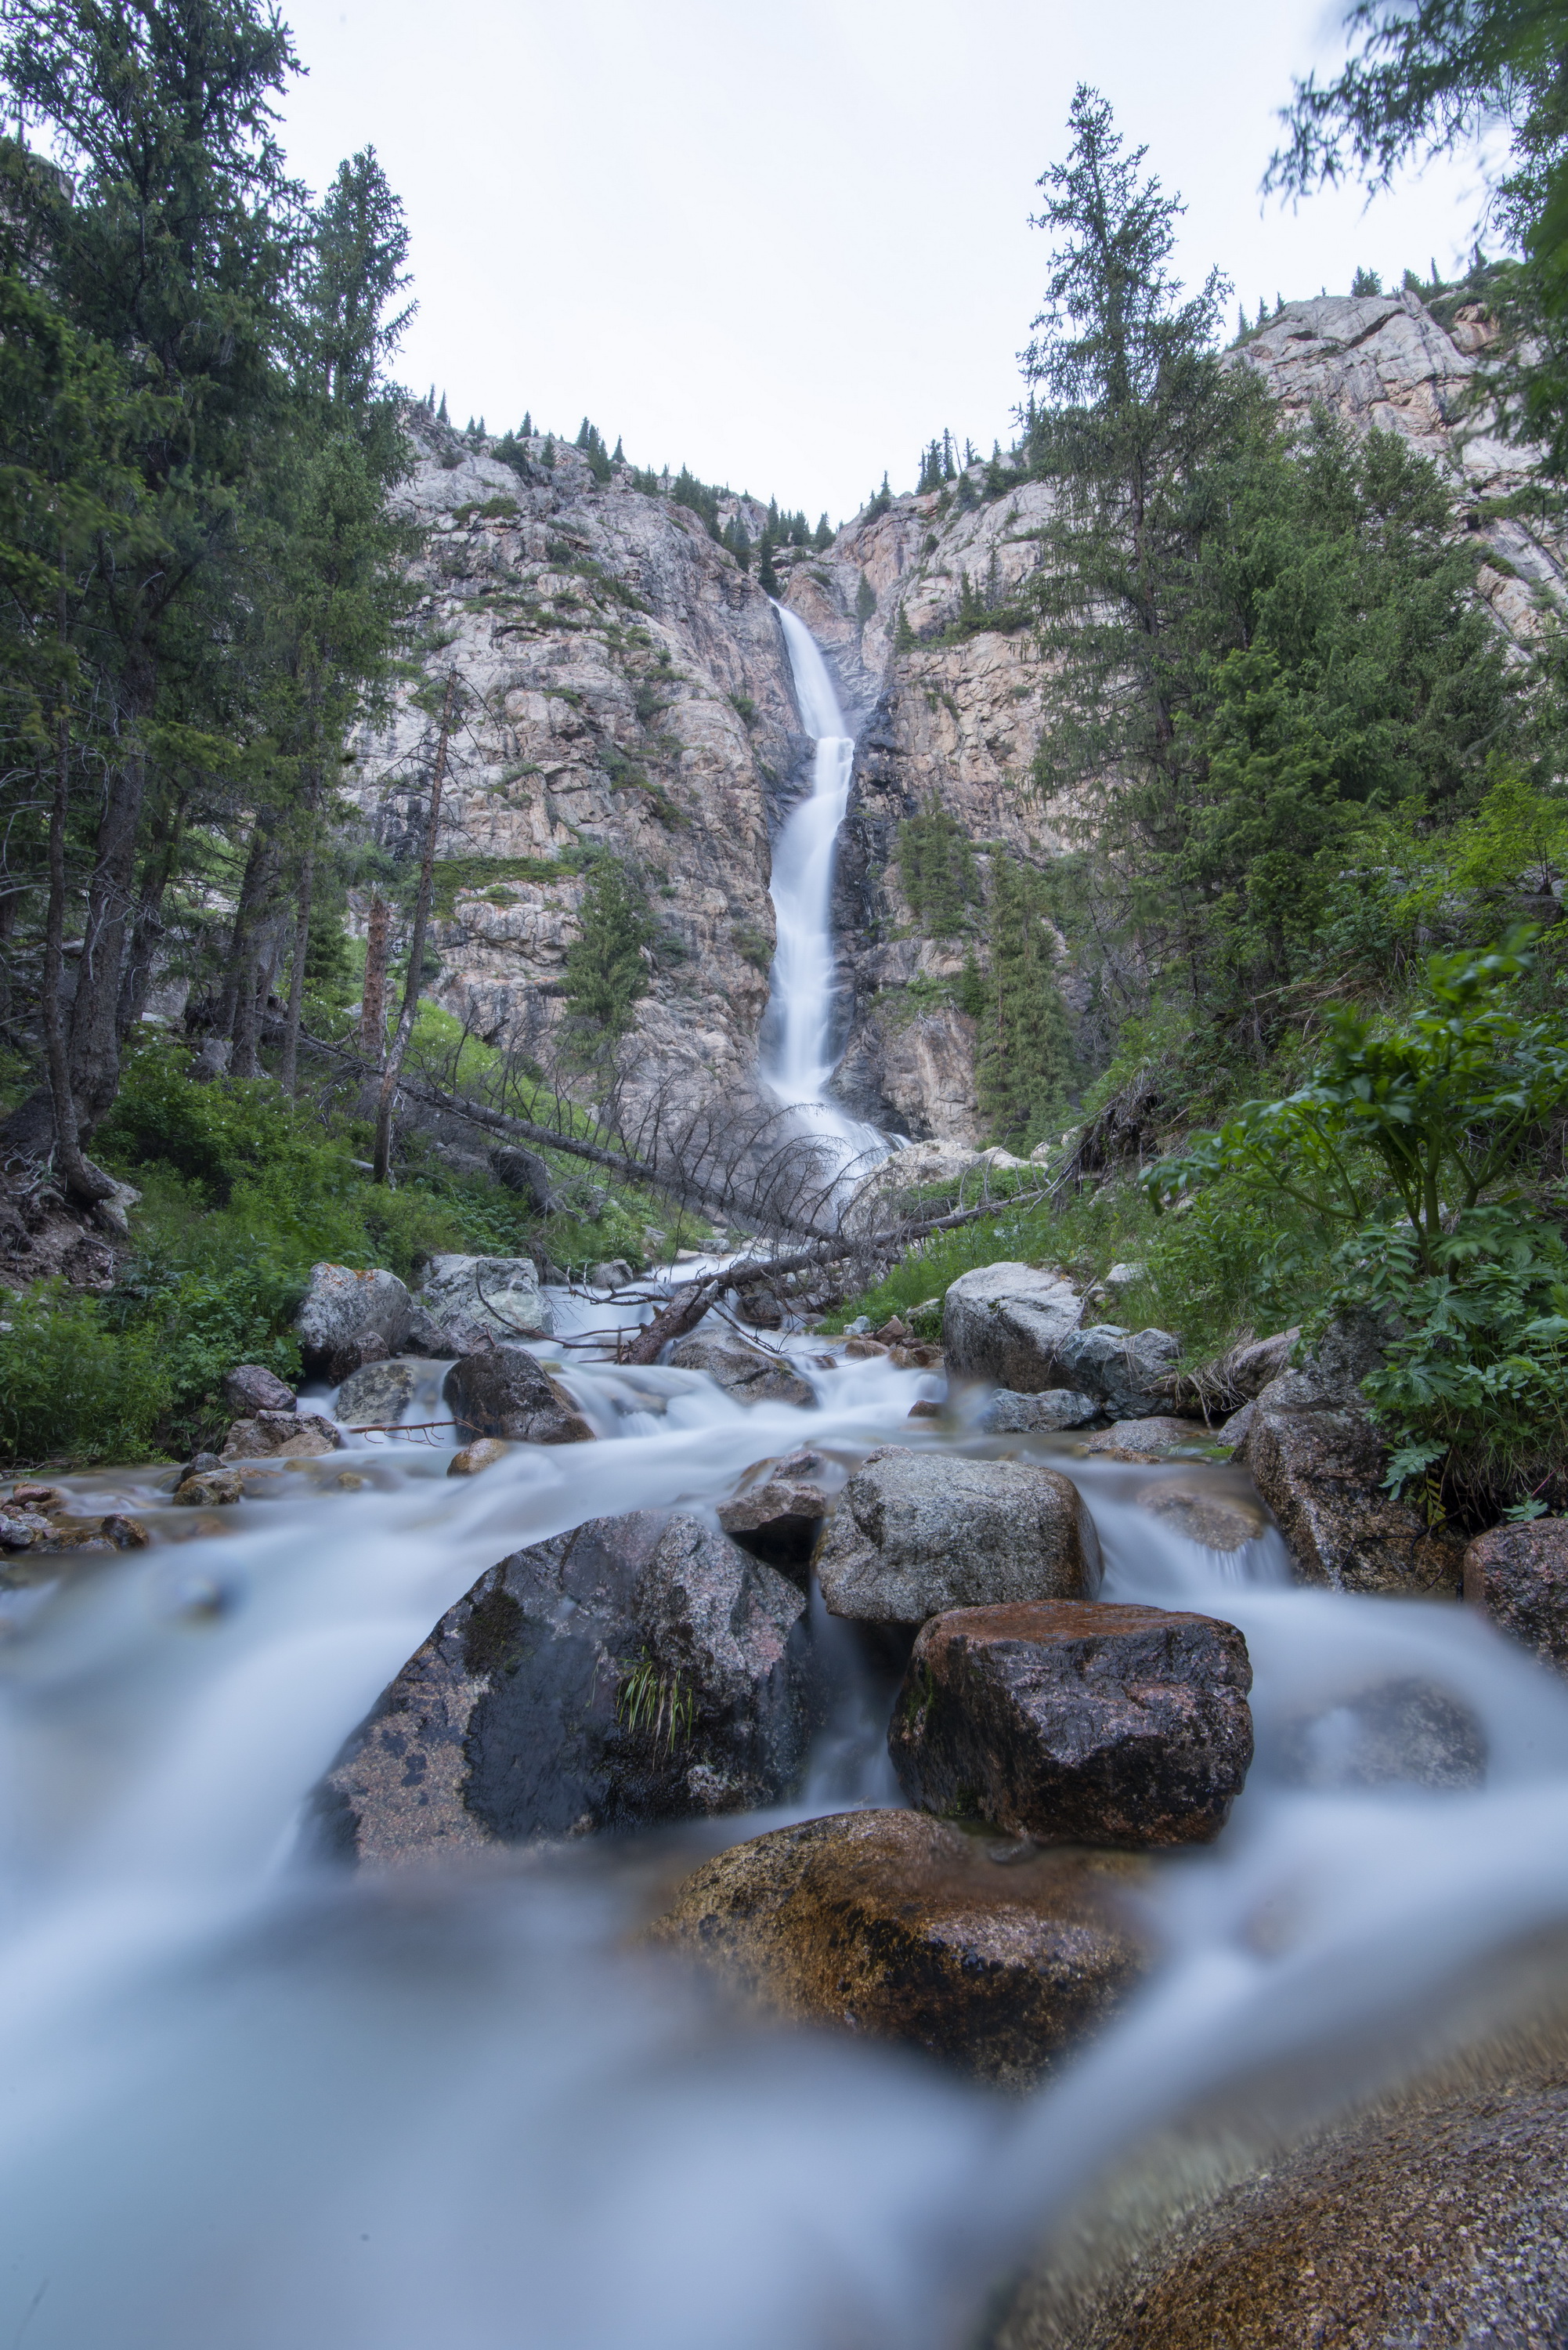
{"x": 242, "y": 1192}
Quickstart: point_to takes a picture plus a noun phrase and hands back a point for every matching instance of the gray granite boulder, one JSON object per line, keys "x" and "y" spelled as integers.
{"x": 1011, "y": 1414}
{"x": 281, "y": 1436}
{"x": 503, "y": 1391}
{"x": 377, "y": 1394}
{"x": 744, "y": 1372}
{"x": 1007, "y": 1323}
{"x": 499, "y": 1294}
{"x": 1321, "y": 1472}
{"x": 639, "y": 1669}
{"x": 348, "y": 1319}
{"x": 1128, "y": 1370}
{"x": 1519, "y": 1576}
{"x": 916, "y": 1533}
{"x": 249, "y": 1387}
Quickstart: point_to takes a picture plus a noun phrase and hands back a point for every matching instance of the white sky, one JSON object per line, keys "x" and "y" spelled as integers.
{"x": 786, "y": 245}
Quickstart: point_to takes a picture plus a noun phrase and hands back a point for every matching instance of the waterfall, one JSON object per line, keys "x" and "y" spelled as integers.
{"x": 799, "y": 1059}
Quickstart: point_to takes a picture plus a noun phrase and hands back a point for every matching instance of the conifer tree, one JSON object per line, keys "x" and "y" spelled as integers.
{"x": 823, "y": 538}
{"x": 865, "y": 600}
{"x": 1026, "y": 1064}
{"x": 607, "y": 967}
{"x": 767, "y": 577}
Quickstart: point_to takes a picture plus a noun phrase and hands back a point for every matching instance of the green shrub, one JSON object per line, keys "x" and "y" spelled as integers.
{"x": 73, "y": 1388}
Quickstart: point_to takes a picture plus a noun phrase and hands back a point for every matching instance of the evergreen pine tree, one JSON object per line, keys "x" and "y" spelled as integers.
{"x": 442, "y": 417}
{"x": 904, "y": 638}
{"x": 618, "y": 456}
{"x": 1025, "y": 1061}
{"x": 865, "y": 600}
{"x": 606, "y": 971}
{"x": 823, "y": 538}
{"x": 767, "y": 577}
{"x": 527, "y": 432}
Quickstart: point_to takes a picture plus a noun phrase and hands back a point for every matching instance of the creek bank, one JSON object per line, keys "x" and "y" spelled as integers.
{"x": 988, "y": 1955}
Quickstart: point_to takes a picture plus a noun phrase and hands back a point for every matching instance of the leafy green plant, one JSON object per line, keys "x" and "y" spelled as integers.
{"x": 73, "y": 1388}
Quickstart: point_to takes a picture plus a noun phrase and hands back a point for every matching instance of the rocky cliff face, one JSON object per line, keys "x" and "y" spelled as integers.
{"x": 631, "y": 690}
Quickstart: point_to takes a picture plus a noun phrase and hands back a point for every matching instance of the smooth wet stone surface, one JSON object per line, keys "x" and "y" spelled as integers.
{"x": 1519, "y": 1576}
{"x": 779, "y": 1521}
{"x": 901, "y": 1928}
{"x": 1147, "y": 1440}
{"x": 482, "y": 1453}
{"x": 1078, "y": 1722}
{"x": 504, "y": 1392}
{"x": 281, "y": 1436}
{"x": 916, "y": 1533}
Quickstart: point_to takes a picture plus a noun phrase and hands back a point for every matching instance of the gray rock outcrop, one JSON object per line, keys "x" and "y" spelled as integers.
{"x": 916, "y": 1533}
{"x": 1077, "y": 1723}
{"x": 497, "y": 1294}
{"x": 348, "y": 1319}
{"x": 637, "y": 1668}
{"x": 1008, "y": 1323}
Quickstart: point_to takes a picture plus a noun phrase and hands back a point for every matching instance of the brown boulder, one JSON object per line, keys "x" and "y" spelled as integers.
{"x": 1320, "y": 1471}
{"x": 901, "y": 1927}
{"x": 1519, "y": 1576}
{"x": 916, "y": 1533}
{"x": 1078, "y": 1722}
{"x": 210, "y": 1489}
{"x": 503, "y": 1392}
{"x": 472, "y": 1458}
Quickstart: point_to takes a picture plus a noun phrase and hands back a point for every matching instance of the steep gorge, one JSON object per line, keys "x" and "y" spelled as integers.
{"x": 627, "y": 689}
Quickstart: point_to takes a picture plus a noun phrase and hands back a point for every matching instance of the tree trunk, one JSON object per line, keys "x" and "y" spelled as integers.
{"x": 95, "y": 1032}
{"x": 148, "y": 926}
{"x": 240, "y": 990}
{"x": 84, "y": 1182}
{"x": 383, "y": 1151}
{"x": 373, "y": 1006}
{"x": 290, "y": 1063}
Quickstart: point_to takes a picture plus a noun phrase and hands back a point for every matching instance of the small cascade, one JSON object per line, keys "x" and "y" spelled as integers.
{"x": 798, "y": 1063}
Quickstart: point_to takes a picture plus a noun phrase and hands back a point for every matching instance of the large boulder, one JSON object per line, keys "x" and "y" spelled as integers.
{"x": 1215, "y": 1515}
{"x": 349, "y": 1318}
{"x": 1006, "y": 1324}
{"x": 901, "y": 1927}
{"x": 1077, "y": 1723}
{"x": 1009, "y": 1413}
{"x": 639, "y": 1669}
{"x": 916, "y": 1533}
{"x": 1129, "y": 1371}
{"x": 1320, "y": 1472}
{"x": 1430, "y": 2221}
{"x": 503, "y": 1391}
{"x": 747, "y": 1373}
{"x": 498, "y": 1294}
{"x": 1519, "y": 1576}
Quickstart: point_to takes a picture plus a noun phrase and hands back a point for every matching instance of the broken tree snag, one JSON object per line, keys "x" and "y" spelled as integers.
{"x": 373, "y": 1007}
{"x": 684, "y": 1311}
{"x": 383, "y": 1152}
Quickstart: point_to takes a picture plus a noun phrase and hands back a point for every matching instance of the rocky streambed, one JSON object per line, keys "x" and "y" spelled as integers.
{"x": 519, "y": 1848}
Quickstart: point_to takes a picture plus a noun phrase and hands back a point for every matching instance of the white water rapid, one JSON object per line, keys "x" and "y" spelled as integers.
{"x": 248, "y": 2103}
{"x": 798, "y": 1057}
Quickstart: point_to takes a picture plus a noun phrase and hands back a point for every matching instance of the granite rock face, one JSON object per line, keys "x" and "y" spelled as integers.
{"x": 1320, "y": 1471}
{"x": 916, "y": 1533}
{"x": 349, "y": 1318}
{"x": 898, "y": 1926}
{"x": 1519, "y": 1576}
{"x": 639, "y": 1669}
{"x": 1077, "y": 1723}
{"x": 1009, "y": 1324}
{"x": 499, "y": 1294}
{"x": 503, "y": 1391}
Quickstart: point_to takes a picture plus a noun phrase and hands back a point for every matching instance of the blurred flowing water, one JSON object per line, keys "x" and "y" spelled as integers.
{"x": 248, "y": 2103}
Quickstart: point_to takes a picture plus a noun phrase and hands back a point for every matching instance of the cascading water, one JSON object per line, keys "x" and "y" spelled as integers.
{"x": 799, "y": 1059}
{"x": 244, "y": 2103}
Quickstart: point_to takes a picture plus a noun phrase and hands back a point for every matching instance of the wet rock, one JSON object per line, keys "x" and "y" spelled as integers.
{"x": 916, "y": 1533}
{"x": 210, "y": 1489}
{"x": 637, "y": 1668}
{"x": 504, "y": 1392}
{"x": 925, "y": 1409}
{"x": 1146, "y": 1439}
{"x": 1320, "y": 1471}
{"x": 21, "y": 1529}
{"x": 613, "y": 1274}
{"x": 1011, "y": 1414}
{"x": 499, "y": 1294}
{"x": 1432, "y": 2220}
{"x": 349, "y": 1318}
{"x": 1077, "y": 1723}
{"x": 29, "y": 1496}
{"x": 281, "y": 1436}
{"x": 744, "y": 1372}
{"x": 1128, "y": 1370}
{"x": 1006, "y": 1324}
{"x": 1519, "y": 1576}
{"x": 779, "y": 1521}
{"x": 1205, "y": 1513}
{"x": 1402, "y": 1732}
{"x": 759, "y": 1307}
{"x": 901, "y": 1927}
{"x": 470, "y": 1459}
{"x": 250, "y": 1388}
{"x": 377, "y": 1394}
